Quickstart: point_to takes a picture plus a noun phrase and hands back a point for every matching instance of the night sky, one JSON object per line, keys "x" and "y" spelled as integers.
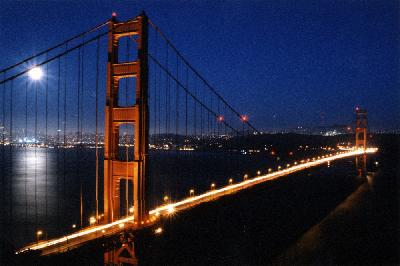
{"x": 284, "y": 63}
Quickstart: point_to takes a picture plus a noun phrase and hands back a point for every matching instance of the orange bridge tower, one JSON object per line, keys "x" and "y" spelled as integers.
{"x": 361, "y": 140}
{"x": 135, "y": 115}
{"x": 361, "y": 128}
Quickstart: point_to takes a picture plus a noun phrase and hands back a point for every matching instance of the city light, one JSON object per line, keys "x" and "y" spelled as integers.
{"x": 220, "y": 118}
{"x": 131, "y": 209}
{"x": 166, "y": 198}
{"x": 74, "y": 226}
{"x": 230, "y": 181}
{"x": 35, "y": 73}
{"x": 158, "y": 231}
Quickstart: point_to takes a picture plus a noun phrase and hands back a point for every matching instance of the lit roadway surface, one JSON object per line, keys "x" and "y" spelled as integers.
{"x": 73, "y": 240}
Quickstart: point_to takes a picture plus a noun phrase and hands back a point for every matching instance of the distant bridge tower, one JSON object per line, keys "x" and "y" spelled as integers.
{"x": 135, "y": 115}
{"x": 361, "y": 128}
{"x": 361, "y": 140}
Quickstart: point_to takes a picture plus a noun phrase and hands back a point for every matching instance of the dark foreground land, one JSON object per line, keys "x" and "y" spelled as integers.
{"x": 323, "y": 216}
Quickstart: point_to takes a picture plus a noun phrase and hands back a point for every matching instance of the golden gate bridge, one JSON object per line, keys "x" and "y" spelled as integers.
{"x": 154, "y": 102}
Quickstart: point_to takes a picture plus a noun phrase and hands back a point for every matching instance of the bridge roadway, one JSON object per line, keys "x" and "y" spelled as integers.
{"x": 73, "y": 240}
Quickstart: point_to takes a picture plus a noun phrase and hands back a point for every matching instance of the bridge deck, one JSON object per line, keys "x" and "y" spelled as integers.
{"x": 66, "y": 242}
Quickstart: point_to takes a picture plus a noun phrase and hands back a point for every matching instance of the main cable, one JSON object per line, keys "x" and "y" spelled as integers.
{"x": 55, "y": 47}
{"x": 198, "y": 74}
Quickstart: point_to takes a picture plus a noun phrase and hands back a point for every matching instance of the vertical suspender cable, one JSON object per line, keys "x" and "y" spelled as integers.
{"x": 177, "y": 105}
{"x": 11, "y": 151}
{"x": 166, "y": 93}
{"x": 36, "y": 122}
{"x": 168, "y": 100}
{"x": 201, "y": 117}
{"x": 97, "y": 129}
{"x": 25, "y": 152}
{"x": 212, "y": 120}
{"x": 65, "y": 131}
{"x": 225, "y": 114}
{"x": 58, "y": 133}
{"x": 186, "y": 103}
{"x": 159, "y": 103}
{"x": 82, "y": 92}
{"x": 195, "y": 108}
{"x": 155, "y": 90}
{"x": 45, "y": 140}
{"x": 78, "y": 138}
{"x": 219, "y": 122}
{"x": 208, "y": 122}
{"x": 3, "y": 146}
{"x": 81, "y": 118}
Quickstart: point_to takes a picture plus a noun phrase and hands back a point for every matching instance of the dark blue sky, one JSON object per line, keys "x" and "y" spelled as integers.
{"x": 284, "y": 63}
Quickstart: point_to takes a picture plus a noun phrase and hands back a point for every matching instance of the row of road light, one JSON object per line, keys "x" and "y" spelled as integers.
{"x": 170, "y": 208}
{"x": 93, "y": 220}
{"x": 269, "y": 170}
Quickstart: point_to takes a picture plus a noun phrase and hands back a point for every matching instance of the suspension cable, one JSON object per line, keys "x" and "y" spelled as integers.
{"x": 45, "y": 140}
{"x": 166, "y": 94}
{"x": 55, "y": 47}
{"x": 97, "y": 126}
{"x": 54, "y": 57}
{"x": 198, "y": 74}
{"x": 25, "y": 151}
{"x": 186, "y": 104}
{"x": 159, "y": 103}
{"x": 65, "y": 130}
{"x": 3, "y": 126}
{"x": 155, "y": 92}
{"x": 36, "y": 142}
{"x": 77, "y": 148}
{"x": 11, "y": 151}
{"x": 58, "y": 136}
{"x": 187, "y": 90}
{"x": 195, "y": 107}
{"x": 177, "y": 105}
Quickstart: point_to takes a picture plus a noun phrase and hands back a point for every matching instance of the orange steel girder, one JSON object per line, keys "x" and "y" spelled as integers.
{"x": 136, "y": 115}
{"x": 361, "y": 128}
